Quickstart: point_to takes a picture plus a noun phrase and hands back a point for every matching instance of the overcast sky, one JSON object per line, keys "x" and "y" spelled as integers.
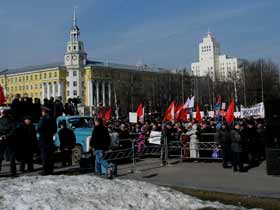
{"x": 161, "y": 32}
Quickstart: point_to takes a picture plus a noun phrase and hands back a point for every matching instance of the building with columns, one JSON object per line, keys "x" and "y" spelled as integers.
{"x": 211, "y": 63}
{"x": 95, "y": 83}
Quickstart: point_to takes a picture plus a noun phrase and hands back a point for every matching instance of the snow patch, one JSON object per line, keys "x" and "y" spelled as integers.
{"x": 89, "y": 192}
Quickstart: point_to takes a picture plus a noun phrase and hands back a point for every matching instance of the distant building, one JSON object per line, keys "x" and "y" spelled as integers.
{"x": 96, "y": 83}
{"x": 212, "y": 64}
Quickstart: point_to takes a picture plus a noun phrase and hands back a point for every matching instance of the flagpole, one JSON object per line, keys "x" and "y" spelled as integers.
{"x": 262, "y": 80}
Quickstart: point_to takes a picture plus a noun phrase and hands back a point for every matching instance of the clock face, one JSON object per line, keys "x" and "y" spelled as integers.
{"x": 67, "y": 57}
{"x": 74, "y": 57}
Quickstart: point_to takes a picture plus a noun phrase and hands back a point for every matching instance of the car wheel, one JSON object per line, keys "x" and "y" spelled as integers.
{"x": 76, "y": 154}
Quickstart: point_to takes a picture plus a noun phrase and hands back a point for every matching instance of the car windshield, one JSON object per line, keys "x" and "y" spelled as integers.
{"x": 80, "y": 122}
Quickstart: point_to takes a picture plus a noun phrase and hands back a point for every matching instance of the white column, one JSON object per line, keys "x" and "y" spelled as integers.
{"x": 90, "y": 93}
{"x": 53, "y": 89}
{"x": 43, "y": 91}
{"x": 48, "y": 90}
{"x": 109, "y": 93}
{"x": 59, "y": 89}
{"x": 97, "y": 93}
{"x": 103, "y": 93}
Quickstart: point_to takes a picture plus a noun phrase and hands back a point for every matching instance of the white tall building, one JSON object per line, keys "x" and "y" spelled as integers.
{"x": 212, "y": 64}
{"x": 75, "y": 60}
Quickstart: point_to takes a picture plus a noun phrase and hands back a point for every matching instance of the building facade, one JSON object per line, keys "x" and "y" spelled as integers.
{"x": 96, "y": 83}
{"x": 211, "y": 63}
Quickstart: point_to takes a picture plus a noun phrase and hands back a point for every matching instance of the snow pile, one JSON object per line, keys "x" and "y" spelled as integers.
{"x": 90, "y": 192}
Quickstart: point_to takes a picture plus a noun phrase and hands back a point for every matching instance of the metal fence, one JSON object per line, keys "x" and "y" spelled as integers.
{"x": 134, "y": 151}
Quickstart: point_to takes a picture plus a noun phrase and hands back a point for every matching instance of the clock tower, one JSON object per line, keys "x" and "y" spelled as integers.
{"x": 75, "y": 59}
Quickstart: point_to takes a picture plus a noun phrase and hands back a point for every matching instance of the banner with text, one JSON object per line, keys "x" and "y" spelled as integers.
{"x": 254, "y": 111}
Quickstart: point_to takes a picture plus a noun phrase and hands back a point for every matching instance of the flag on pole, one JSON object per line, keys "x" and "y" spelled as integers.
{"x": 187, "y": 104}
{"x": 230, "y": 112}
{"x": 178, "y": 111}
{"x": 140, "y": 112}
{"x": 107, "y": 115}
{"x": 197, "y": 114}
{"x": 170, "y": 113}
{"x": 2, "y": 96}
{"x": 184, "y": 115}
{"x": 191, "y": 104}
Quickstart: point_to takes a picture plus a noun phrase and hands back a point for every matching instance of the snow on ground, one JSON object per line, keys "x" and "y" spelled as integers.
{"x": 90, "y": 192}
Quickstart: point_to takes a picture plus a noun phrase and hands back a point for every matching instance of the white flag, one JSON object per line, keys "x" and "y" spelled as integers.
{"x": 191, "y": 104}
{"x": 187, "y": 104}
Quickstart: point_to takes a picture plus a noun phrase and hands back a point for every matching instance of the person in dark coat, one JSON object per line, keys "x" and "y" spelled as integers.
{"x": 27, "y": 144}
{"x": 46, "y": 129}
{"x": 8, "y": 140}
{"x": 100, "y": 142}
{"x": 16, "y": 107}
{"x": 253, "y": 144}
{"x": 237, "y": 148}
{"x": 67, "y": 140}
{"x": 36, "y": 111}
{"x": 58, "y": 108}
{"x": 261, "y": 139}
{"x": 69, "y": 107}
{"x": 222, "y": 138}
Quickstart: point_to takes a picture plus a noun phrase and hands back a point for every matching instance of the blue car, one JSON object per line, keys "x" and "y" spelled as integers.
{"x": 82, "y": 127}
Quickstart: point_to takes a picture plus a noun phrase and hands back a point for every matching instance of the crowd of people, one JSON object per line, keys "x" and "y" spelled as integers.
{"x": 239, "y": 143}
{"x": 18, "y": 136}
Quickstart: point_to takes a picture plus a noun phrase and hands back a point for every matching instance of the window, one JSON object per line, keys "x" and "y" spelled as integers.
{"x": 26, "y": 78}
{"x": 45, "y": 75}
{"x": 75, "y": 92}
{"x": 74, "y": 73}
{"x": 40, "y": 76}
{"x": 55, "y": 74}
{"x": 74, "y": 47}
{"x": 68, "y": 93}
{"x": 26, "y": 87}
{"x": 69, "y": 48}
{"x": 35, "y": 77}
{"x": 67, "y": 73}
{"x": 31, "y": 77}
{"x": 31, "y": 87}
{"x": 67, "y": 84}
{"x": 50, "y": 75}
{"x": 80, "y": 48}
{"x": 75, "y": 84}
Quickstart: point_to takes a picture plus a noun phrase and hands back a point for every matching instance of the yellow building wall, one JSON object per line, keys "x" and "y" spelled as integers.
{"x": 30, "y": 83}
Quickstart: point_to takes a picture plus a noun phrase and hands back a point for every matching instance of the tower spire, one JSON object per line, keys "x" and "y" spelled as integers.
{"x": 74, "y": 17}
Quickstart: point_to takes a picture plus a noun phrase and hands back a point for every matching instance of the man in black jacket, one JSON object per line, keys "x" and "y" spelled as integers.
{"x": 46, "y": 129}
{"x": 27, "y": 144}
{"x": 8, "y": 140}
{"x": 100, "y": 142}
{"x": 67, "y": 140}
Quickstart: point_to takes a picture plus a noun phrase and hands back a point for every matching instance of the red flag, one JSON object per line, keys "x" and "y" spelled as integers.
{"x": 230, "y": 112}
{"x": 107, "y": 115}
{"x": 170, "y": 113}
{"x": 183, "y": 115}
{"x": 101, "y": 112}
{"x": 197, "y": 114}
{"x": 178, "y": 111}
{"x": 140, "y": 112}
{"x": 2, "y": 96}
